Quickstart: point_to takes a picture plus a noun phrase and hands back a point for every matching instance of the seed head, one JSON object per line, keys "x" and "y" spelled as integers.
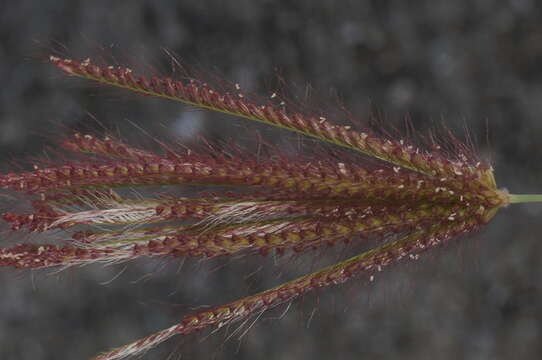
{"x": 411, "y": 201}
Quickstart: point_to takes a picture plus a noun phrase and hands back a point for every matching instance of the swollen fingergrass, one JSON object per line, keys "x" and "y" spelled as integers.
{"x": 414, "y": 200}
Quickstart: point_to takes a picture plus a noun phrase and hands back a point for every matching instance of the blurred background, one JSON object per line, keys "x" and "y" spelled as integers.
{"x": 474, "y": 66}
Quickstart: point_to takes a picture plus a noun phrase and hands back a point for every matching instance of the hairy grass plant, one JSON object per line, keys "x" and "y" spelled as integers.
{"x": 411, "y": 198}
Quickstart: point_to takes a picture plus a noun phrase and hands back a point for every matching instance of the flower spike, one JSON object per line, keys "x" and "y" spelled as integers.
{"x": 367, "y": 263}
{"x": 413, "y": 200}
{"x": 203, "y": 95}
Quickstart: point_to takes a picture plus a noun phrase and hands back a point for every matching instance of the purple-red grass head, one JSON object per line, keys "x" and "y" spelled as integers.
{"x": 411, "y": 199}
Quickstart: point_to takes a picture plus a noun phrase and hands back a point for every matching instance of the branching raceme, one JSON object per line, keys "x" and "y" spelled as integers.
{"x": 414, "y": 200}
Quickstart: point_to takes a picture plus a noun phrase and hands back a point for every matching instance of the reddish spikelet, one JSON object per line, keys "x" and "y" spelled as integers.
{"x": 107, "y": 147}
{"x": 202, "y": 95}
{"x": 41, "y": 256}
{"x": 39, "y": 221}
{"x": 414, "y": 200}
{"x": 299, "y": 180}
{"x": 302, "y": 233}
{"x": 295, "y": 232}
{"x": 367, "y": 263}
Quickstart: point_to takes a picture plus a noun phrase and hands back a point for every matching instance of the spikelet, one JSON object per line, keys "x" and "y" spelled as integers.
{"x": 414, "y": 200}
{"x": 202, "y": 95}
{"x": 367, "y": 263}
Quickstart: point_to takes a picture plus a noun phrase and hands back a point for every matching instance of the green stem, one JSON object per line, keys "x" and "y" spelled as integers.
{"x": 525, "y": 198}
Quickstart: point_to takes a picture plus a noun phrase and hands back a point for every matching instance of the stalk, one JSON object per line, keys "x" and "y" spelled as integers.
{"x": 525, "y": 198}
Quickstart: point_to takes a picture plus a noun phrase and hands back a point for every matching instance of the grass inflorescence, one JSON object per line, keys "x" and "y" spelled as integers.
{"x": 411, "y": 199}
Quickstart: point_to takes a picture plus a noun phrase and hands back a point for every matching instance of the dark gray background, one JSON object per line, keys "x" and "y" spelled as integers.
{"x": 473, "y": 64}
